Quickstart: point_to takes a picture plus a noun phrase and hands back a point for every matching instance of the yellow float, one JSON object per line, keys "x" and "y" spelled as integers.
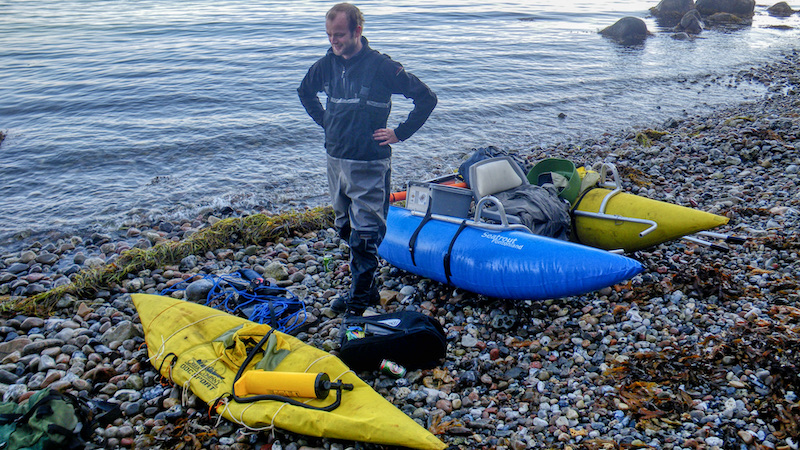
{"x": 607, "y": 218}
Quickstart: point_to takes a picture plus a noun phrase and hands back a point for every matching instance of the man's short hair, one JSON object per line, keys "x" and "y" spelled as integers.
{"x": 354, "y": 16}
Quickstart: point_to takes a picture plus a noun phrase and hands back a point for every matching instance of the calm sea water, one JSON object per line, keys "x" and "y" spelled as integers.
{"x": 118, "y": 110}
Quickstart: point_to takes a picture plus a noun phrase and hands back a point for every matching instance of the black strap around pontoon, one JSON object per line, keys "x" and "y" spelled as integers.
{"x": 412, "y": 243}
{"x": 447, "y": 271}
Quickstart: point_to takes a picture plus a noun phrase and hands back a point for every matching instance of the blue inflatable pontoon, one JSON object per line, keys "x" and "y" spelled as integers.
{"x": 498, "y": 261}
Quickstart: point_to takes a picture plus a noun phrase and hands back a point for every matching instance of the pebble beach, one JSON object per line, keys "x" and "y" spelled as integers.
{"x": 699, "y": 351}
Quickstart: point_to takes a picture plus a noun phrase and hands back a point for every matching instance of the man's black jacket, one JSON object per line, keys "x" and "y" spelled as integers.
{"x": 359, "y": 91}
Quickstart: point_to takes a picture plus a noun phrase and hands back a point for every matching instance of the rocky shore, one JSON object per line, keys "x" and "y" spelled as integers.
{"x": 701, "y": 350}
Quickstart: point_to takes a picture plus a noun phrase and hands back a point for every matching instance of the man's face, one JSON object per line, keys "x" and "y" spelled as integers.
{"x": 343, "y": 42}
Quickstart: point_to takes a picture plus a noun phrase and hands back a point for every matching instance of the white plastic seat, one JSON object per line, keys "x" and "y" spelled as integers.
{"x": 491, "y": 176}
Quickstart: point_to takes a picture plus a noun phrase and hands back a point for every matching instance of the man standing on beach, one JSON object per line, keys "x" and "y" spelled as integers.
{"x": 359, "y": 83}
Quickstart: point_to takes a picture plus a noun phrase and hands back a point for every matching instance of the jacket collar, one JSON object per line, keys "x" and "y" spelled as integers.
{"x": 357, "y": 57}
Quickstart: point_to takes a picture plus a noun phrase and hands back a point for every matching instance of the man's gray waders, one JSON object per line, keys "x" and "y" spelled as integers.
{"x": 360, "y": 196}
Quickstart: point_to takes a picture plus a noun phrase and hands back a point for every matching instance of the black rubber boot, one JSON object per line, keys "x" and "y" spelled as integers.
{"x": 363, "y": 264}
{"x": 342, "y": 305}
{"x": 344, "y": 231}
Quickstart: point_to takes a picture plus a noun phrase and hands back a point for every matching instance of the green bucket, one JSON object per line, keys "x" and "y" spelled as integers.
{"x": 563, "y": 169}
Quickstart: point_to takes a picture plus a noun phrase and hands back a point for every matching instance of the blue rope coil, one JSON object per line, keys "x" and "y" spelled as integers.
{"x": 265, "y": 304}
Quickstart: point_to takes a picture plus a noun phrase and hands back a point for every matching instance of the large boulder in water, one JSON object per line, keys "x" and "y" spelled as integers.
{"x": 741, "y": 8}
{"x": 723, "y": 18}
{"x": 781, "y": 9}
{"x": 691, "y": 23}
{"x": 670, "y": 12}
{"x": 627, "y": 31}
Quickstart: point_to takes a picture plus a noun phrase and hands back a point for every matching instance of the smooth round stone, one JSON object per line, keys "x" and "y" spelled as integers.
{"x": 109, "y": 389}
{"x": 7, "y": 377}
{"x": 469, "y": 341}
{"x": 127, "y": 395}
{"x": 65, "y": 334}
{"x": 32, "y": 322}
{"x": 61, "y": 385}
{"x": 111, "y": 432}
{"x": 81, "y": 384}
{"x": 134, "y": 382}
{"x": 47, "y": 258}
{"x": 131, "y": 409}
{"x": 17, "y": 268}
{"x": 198, "y": 290}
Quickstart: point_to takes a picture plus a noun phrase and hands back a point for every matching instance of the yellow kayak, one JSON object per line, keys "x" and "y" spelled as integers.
{"x": 631, "y": 222}
{"x": 203, "y": 349}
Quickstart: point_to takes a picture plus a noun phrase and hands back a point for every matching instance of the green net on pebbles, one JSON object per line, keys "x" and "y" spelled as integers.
{"x": 251, "y": 230}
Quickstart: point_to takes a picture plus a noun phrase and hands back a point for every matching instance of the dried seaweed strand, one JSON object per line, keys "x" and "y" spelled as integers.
{"x": 251, "y": 230}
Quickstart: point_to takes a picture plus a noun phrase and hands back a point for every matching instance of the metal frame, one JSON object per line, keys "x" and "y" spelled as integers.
{"x": 476, "y": 220}
{"x": 609, "y": 179}
{"x": 497, "y": 212}
{"x": 614, "y": 184}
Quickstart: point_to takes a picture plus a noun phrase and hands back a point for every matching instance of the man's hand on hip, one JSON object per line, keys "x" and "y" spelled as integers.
{"x": 385, "y": 135}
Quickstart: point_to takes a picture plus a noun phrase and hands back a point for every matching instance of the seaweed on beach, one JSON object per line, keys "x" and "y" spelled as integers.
{"x": 760, "y": 355}
{"x": 709, "y": 280}
{"x": 185, "y": 433}
{"x": 251, "y": 230}
{"x": 778, "y": 242}
{"x": 645, "y": 138}
{"x": 635, "y": 176}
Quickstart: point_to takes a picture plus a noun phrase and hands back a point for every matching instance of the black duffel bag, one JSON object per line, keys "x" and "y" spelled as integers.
{"x": 408, "y": 338}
